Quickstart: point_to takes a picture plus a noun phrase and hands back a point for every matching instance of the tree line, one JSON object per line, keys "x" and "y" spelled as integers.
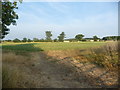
{"x": 48, "y": 38}
{"x": 61, "y": 38}
{"x": 111, "y": 38}
{"x": 8, "y": 16}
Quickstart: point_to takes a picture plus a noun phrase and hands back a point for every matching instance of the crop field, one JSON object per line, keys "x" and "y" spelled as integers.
{"x": 45, "y": 46}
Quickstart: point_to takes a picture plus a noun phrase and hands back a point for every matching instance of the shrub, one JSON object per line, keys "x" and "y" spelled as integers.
{"x": 106, "y": 56}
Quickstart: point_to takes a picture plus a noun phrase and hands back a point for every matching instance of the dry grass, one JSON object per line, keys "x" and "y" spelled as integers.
{"x": 11, "y": 77}
{"x": 106, "y": 56}
{"x": 60, "y": 54}
{"x": 14, "y": 71}
{"x": 16, "y": 75}
{"x": 79, "y": 55}
{"x": 12, "y": 58}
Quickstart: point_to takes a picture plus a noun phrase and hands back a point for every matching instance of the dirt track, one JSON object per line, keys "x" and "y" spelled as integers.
{"x": 68, "y": 73}
{"x": 44, "y": 71}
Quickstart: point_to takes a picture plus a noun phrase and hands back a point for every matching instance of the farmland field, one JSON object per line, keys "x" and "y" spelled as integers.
{"x": 59, "y": 44}
{"x": 45, "y": 46}
{"x": 59, "y": 64}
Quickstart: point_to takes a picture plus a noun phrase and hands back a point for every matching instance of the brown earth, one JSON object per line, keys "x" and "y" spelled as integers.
{"x": 52, "y": 70}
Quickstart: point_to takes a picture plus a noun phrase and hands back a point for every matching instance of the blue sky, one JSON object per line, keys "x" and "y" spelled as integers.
{"x": 88, "y": 18}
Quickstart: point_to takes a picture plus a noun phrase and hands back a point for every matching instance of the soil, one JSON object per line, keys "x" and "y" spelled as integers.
{"x": 44, "y": 71}
{"x": 47, "y": 72}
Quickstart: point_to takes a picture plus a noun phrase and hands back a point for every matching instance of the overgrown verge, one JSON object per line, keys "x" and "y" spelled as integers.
{"x": 14, "y": 74}
{"x": 105, "y": 56}
{"x": 11, "y": 78}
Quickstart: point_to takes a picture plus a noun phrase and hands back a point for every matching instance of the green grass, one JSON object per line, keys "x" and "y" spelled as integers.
{"x": 45, "y": 46}
{"x": 21, "y": 47}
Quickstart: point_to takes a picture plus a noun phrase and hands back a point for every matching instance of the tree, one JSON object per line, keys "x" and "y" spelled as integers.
{"x": 42, "y": 40}
{"x": 79, "y": 37}
{"x": 61, "y": 37}
{"x": 8, "y": 16}
{"x": 16, "y": 40}
{"x": 118, "y": 37}
{"x": 35, "y": 39}
{"x": 84, "y": 40}
{"x": 8, "y": 40}
{"x": 104, "y": 38}
{"x": 24, "y": 40}
{"x": 95, "y": 38}
{"x": 48, "y": 36}
{"x": 29, "y": 40}
{"x": 55, "y": 40}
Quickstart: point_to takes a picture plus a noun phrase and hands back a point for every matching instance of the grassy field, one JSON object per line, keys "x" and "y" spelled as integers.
{"x": 45, "y": 46}
{"x": 102, "y": 53}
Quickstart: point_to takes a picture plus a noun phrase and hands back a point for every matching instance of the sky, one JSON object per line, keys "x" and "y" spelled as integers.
{"x": 88, "y": 18}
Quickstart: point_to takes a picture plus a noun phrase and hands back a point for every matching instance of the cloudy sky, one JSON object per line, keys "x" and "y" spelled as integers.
{"x": 88, "y": 18}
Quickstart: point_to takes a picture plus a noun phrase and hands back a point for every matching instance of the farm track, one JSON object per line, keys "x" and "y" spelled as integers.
{"x": 55, "y": 76}
{"x": 69, "y": 73}
{"x": 45, "y": 71}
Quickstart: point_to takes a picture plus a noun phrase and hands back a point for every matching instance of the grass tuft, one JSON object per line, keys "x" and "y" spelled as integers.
{"x": 11, "y": 78}
{"x": 105, "y": 56}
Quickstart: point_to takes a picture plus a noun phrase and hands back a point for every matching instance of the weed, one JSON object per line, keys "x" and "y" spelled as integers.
{"x": 106, "y": 56}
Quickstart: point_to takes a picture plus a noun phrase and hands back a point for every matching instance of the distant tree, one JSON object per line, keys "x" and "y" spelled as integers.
{"x": 42, "y": 40}
{"x": 79, "y": 37}
{"x": 8, "y": 40}
{"x": 16, "y": 40}
{"x": 84, "y": 40}
{"x": 118, "y": 38}
{"x": 95, "y": 38}
{"x": 114, "y": 38}
{"x": 48, "y": 36}
{"x": 55, "y": 40}
{"x": 8, "y": 16}
{"x": 35, "y": 39}
{"x": 61, "y": 37}
{"x": 104, "y": 38}
{"x": 111, "y": 38}
{"x": 29, "y": 40}
{"x": 24, "y": 40}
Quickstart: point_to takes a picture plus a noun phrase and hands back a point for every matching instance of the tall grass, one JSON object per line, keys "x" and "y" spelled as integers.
{"x": 11, "y": 78}
{"x": 106, "y": 55}
{"x": 13, "y": 71}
